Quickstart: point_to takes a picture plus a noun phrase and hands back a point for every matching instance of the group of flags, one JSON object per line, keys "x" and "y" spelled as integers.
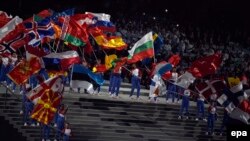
{"x": 43, "y": 37}
{"x": 52, "y": 29}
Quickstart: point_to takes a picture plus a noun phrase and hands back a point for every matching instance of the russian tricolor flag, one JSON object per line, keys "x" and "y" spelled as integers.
{"x": 61, "y": 61}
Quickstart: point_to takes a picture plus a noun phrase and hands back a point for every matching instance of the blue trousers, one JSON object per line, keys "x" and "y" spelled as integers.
{"x": 210, "y": 122}
{"x": 116, "y": 84}
{"x": 200, "y": 109}
{"x": 46, "y": 132}
{"x": 171, "y": 91}
{"x": 60, "y": 126}
{"x": 135, "y": 85}
{"x": 111, "y": 81}
{"x": 184, "y": 105}
{"x": 65, "y": 138}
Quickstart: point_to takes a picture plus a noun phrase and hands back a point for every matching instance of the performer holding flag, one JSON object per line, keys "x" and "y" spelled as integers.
{"x": 155, "y": 84}
{"x": 135, "y": 80}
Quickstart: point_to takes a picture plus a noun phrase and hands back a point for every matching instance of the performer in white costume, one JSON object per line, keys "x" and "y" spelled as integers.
{"x": 154, "y": 85}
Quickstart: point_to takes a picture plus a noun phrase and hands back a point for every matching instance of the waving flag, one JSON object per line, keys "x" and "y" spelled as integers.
{"x": 73, "y": 33}
{"x": 84, "y": 19}
{"x": 55, "y": 84}
{"x": 185, "y": 80}
{"x": 46, "y": 107}
{"x": 158, "y": 42}
{"x": 4, "y": 18}
{"x": 174, "y": 60}
{"x": 109, "y": 59}
{"x": 57, "y": 15}
{"x": 23, "y": 70}
{"x": 206, "y": 65}
{"x": 107, "y": 42}
{"x": 11, "y": 46}
{"x": 142, "y": 49}
{"x": 210, "y": 87}
{"x": 236, "y": 102}
{"x": 84, "y": 78}
{"x": 10, "y": 26}
{"x": 61, "y": 61}
{"x": 118, "y": 63}
{"x": 36, "y": 31}
{"x": 102, "y": 21}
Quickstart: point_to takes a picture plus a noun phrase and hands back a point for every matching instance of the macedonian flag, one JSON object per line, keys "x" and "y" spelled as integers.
{"x": 45, "y": 109}
{"x": 23, "y": 70}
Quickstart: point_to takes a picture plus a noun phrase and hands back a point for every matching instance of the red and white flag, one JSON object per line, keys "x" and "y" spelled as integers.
{"x": 210, "y": 87}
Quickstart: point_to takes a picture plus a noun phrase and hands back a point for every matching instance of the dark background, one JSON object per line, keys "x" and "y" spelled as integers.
{"x": 226, "y": 14}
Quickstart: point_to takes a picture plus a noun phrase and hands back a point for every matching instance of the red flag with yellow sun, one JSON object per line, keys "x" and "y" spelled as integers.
{"x": 46, "y": 107}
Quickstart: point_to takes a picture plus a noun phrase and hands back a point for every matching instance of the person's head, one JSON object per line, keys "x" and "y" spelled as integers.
{"x": 134, "y": 65}
{"x": 14, "y": 55}
{"x": 9, "y": 61}
{"x": 174, "y": 69}
{"x": 66, "y": 125}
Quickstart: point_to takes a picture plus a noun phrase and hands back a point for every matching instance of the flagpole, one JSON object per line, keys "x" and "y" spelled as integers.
{"x": 153, "y": 48}
{"x": 127, "y": 69}
{"x": 64, "y": 29}
{"x": 94, "y": 55}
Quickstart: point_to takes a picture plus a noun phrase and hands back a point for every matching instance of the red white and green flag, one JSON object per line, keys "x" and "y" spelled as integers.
{"x": 144, "y": 48}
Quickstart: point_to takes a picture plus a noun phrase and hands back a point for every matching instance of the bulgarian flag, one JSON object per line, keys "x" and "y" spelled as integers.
{"x": 144, "y": 48}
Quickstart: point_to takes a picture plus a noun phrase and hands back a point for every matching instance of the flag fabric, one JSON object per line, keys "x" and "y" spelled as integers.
{"x": 99, "y": 68}
{"x": 236, "y": 102}
{"x": 142, "y": 49}
{"x": 157, "y": 67}
{"x": 4, "y": 18}
{"x": 102, "y": 21}
{"x": 73, "y": 33}
{"x": 158, "y": 42}
{"x": 185, "y": 80}
{"x": 164, "y": 69}
{"x": 61, "y": 61}
{"x": 84, "y": 19}
{"x": 233, "y": 81}
{"x": 37, "y": 30}
{"x": 107, "y": 42}
{"x": 46, "y": 107}
{"x": 241, "y": 113}
{"x": 109, "y": 59}
{"x": 35, "y": 51}
{"x": 8, "y": 27}
{"x": 55, "y": 84}
{"x": 84, "y": 78}
{"x": 56, "y": 15}
{"x": 23, "y": 70}
{"x": 205, "y": 65}
{"x": 118, "y": 63}
{"x": 174, "y": 60}
{"x": 210, "y": 87}
{"x": 81, "y": 69}
{"x": 12, "y": 45}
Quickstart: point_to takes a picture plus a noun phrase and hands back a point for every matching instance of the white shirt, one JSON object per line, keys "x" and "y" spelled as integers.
{"x": 187, "y": 92}
{"x": 213, "y": 110}
{"x": 157, "y": 79}
{"x": 135, "y": 72}
{"x": 174, "y": 76}
{"x": 67, "y": 131}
